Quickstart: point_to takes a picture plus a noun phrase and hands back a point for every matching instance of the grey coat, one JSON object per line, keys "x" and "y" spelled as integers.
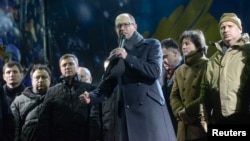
{"x": 144, "y": 116}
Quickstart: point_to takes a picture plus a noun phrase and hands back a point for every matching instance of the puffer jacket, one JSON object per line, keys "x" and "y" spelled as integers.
{"x": 26, "y": 123}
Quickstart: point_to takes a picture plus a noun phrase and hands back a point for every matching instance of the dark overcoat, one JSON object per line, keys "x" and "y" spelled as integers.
{"x": 144, "y": 115}
{"x": 7, "y": 122}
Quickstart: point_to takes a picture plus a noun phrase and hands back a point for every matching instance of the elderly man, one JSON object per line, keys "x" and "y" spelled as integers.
{"x": 85, "y": 74}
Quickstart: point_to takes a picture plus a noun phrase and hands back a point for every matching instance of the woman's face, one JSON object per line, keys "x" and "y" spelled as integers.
{"x": 188, "y": 47}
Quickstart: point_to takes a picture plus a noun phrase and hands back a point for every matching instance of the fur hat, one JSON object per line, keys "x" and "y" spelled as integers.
{"x": 232, "y": 17}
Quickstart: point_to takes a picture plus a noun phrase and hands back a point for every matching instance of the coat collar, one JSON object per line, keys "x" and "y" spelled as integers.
{"x": 239, "y": 44}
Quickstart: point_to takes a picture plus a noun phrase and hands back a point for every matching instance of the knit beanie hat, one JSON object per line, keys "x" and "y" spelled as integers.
{"x": 231, "y": 17}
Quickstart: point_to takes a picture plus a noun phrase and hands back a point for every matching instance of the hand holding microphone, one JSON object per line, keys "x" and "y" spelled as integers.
{"x": 119, "y": 52}
{"x": 122, "y": 39}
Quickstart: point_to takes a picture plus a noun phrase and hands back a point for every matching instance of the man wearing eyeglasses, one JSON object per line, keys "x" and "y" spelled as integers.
{"x": 136, "y": 70}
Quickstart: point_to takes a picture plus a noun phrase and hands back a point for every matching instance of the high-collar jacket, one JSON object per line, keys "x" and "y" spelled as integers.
{"x": 226, "y": 82}
{"x": 185, "y": 93}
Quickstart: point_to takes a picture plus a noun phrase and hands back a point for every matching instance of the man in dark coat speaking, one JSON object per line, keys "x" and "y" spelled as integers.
{"x": 136, "y": 68}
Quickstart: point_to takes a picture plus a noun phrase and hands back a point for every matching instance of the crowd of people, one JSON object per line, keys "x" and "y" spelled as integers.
{"x": 150, "y": 90}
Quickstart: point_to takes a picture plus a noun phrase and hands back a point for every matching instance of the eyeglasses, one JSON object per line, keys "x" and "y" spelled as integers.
{"x": 125, "y": 25}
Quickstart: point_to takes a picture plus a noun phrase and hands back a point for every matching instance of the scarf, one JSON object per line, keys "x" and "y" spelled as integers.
{"x": 133, "y": 41}
{"x": 194, "y": 58}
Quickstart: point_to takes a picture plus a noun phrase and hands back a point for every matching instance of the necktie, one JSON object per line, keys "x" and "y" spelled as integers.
{"x": 169, "y": 73}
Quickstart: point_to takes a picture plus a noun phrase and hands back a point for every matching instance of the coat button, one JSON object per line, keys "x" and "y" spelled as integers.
{"x": 127, "y": 106}
{"x": 138, "y": 84}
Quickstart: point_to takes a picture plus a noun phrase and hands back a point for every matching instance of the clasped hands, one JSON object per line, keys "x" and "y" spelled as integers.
{"x": 84, "y": 98}
{"x": 183, "y": 116}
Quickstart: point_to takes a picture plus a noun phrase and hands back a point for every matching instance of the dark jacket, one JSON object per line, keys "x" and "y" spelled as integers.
{"x": 63, "y": 116}
{"x": 26, "y": 108}
{"x": 166, "y": 88}
{"x": 144, "y": 116}
{"x": 7, "y": 123}
{"x": 110, "y": 117}
{"x": 12, "y": 93}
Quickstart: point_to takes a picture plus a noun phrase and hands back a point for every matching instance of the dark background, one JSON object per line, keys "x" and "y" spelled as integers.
{"x": 40, "y": 31}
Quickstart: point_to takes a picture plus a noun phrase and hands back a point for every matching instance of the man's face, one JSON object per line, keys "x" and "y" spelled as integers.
{"x": 169, "y": 58}
{"x": 68, "y": 67}
{"x": 12, "y": 76}
{"x": 230, "y": 33}
{"x": 124, "y": 25}
{"x": 40, "y": 80}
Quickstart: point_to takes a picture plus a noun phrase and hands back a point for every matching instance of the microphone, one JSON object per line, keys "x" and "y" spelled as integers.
{"x": 122, "y": 40}
{"x": 121, "y": 45}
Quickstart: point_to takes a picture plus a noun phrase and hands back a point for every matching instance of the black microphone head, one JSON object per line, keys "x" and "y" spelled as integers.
{"x": 122, "y": 36}
{"x": 121, "y": 40}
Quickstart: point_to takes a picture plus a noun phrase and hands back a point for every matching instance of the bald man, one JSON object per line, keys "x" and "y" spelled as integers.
{"x": 85, "y": 74}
